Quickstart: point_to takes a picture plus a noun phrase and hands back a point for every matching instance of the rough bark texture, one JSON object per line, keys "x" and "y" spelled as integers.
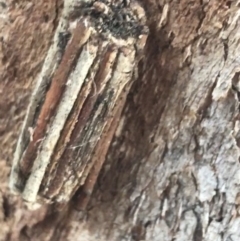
{"x": 172, "y": 172}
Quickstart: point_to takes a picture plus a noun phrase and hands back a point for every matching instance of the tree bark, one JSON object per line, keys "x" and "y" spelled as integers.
{"x": 172, "y": 170}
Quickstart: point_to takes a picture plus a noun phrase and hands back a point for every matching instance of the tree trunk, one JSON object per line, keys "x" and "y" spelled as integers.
{"x": 172, "y": 169}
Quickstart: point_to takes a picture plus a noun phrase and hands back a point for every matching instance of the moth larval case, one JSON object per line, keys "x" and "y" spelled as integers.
{"x": 73, "y": 121}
